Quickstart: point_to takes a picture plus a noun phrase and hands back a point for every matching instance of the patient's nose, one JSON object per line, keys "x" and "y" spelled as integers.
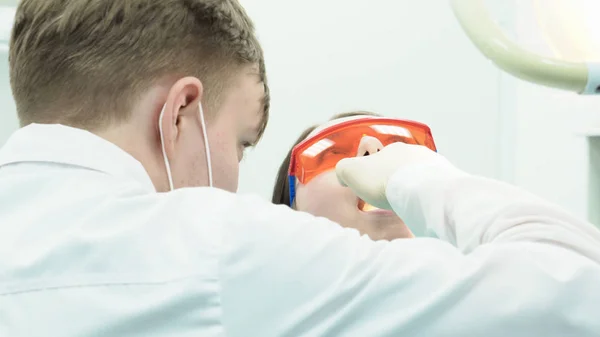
{"x": 368, "y": 145}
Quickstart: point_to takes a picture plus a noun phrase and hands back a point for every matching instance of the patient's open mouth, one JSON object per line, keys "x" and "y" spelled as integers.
{"x": 365, "y": 207}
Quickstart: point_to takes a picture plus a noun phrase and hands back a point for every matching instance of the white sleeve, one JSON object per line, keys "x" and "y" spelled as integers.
{"x": 285, "y": 273}
{"x": 469, "y": 211}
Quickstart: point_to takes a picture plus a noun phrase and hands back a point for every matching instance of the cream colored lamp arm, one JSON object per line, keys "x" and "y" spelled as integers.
{"x": 488, "y": 37}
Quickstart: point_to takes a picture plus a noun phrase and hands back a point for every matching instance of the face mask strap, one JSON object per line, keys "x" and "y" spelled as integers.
{"x": 164, "y": 152}
{"x": 206, "y": 146}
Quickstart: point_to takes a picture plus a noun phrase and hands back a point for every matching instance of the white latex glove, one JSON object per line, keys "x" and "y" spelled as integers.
{"x": 368, "y": 176}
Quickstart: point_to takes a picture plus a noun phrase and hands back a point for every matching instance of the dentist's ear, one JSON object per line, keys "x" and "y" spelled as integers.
{"x": 184, "y": 98}
{"x": 182, "y": 102}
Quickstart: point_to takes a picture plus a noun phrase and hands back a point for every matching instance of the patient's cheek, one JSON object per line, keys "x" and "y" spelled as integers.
{"x": 324, "y": 196}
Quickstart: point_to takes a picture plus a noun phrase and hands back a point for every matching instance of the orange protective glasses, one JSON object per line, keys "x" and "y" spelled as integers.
{"x": 322, "y": 152}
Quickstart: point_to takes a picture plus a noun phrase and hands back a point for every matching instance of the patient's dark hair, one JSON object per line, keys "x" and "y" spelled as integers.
{"x": 281, "y": 190}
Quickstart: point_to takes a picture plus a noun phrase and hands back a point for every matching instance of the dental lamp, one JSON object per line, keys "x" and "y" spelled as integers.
{"x": 580, "y": 77}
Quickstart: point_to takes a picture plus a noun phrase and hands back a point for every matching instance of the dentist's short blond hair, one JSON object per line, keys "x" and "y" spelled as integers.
{"x": 84, "y": 62}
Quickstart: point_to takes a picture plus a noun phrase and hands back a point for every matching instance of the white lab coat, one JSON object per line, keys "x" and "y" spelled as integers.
{"x": 87, "y": 248}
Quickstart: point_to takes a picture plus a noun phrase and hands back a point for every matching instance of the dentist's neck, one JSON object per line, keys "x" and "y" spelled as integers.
{"x": 143, "y": 144}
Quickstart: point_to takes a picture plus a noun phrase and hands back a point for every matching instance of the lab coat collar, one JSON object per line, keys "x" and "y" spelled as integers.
{"x": 61, "y": 144}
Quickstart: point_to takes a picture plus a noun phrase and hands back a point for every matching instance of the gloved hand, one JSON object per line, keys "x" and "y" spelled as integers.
{"x": 368, "y": 176}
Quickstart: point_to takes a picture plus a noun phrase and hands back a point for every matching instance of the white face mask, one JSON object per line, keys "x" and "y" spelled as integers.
{"x": 164, "y": 152}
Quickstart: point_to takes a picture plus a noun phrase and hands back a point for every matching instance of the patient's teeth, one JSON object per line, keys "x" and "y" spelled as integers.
{"x": 368, "y": 207}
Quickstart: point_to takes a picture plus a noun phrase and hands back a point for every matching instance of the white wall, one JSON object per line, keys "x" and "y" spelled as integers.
{"x": 8, "y": 115}
{"x": 552, "y": 156}
{"x": 401, "y": 58}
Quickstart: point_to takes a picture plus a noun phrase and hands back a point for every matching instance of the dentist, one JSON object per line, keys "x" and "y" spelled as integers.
{"x": 118, "y": 215}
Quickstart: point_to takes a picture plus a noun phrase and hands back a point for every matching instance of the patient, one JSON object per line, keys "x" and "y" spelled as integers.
{"x": 322, "y": 195}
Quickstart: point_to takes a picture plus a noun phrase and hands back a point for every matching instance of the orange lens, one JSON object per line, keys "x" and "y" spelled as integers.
{"x": 324, "y": 150}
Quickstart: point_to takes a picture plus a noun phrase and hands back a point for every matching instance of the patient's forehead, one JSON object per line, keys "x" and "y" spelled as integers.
{"x": 336, "y": 121}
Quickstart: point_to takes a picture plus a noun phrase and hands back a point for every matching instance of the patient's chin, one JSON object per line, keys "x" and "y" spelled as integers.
{"x": 385, "y": 225}
{"x": 399, "y": 231}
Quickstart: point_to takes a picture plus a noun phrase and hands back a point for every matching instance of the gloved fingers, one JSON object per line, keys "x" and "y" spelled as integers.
{"x": 354, "y": 173}
{"x": 343, "y": 171}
